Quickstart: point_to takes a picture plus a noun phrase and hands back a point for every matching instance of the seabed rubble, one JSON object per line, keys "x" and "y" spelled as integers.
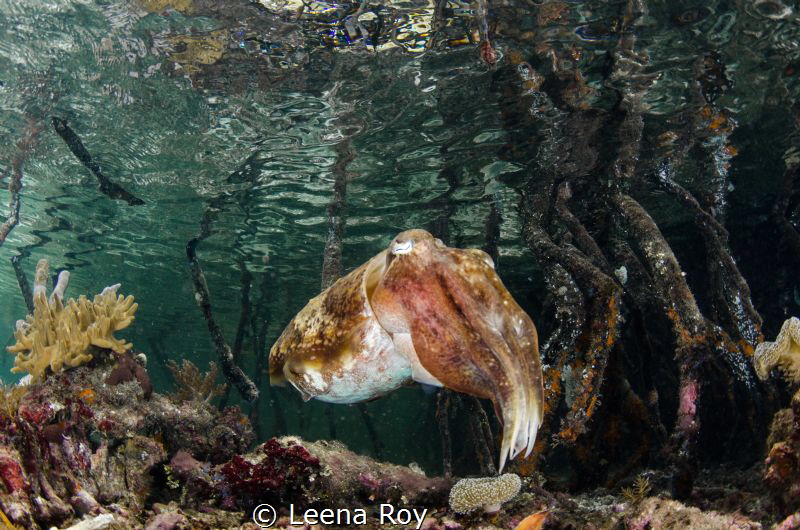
{"x": 79, "y": 452}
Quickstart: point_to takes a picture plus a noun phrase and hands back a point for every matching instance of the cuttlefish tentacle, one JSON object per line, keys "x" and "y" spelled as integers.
{"x": 467, "y": 331}
{"x": 335, "y": 349}
{"x": 519, "y": 402}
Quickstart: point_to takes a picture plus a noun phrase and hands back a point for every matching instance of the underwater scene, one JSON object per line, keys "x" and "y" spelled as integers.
{"x": 430, "y": 264}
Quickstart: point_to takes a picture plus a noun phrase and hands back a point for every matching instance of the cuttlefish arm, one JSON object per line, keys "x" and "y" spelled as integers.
{"x": 466, "y": 331}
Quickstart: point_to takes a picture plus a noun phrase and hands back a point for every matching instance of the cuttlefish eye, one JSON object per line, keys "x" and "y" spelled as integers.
{"x": 402, "y": 247}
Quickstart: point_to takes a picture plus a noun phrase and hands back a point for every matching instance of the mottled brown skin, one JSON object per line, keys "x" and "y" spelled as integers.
{"x": 322, "y": 340}
{"x": 419, "y": 310}
{"x": 334, "y": 349}
{"x": 466, "y": 329}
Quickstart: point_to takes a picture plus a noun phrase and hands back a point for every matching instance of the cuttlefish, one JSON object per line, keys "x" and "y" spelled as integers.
{"x": 419, "y": 311}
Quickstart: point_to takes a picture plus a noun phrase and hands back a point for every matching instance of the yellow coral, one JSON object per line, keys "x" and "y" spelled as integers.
{"x": 10, "y": 396}
{"x": 784, "y": 352}
{"x": 59, "y": 335}
{"x": 192, "y": 384}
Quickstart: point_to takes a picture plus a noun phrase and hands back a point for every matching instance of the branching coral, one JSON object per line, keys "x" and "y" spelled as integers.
{"x": 639, "y": 491}
{"x": 193, "y": 385}
{"x": 58, "y": 335}
{"x": 784, "y": 352}
{"x": 9, "y": 399}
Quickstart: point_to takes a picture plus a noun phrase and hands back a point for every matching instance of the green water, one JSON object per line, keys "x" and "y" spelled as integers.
{"x": 255, "y": 135}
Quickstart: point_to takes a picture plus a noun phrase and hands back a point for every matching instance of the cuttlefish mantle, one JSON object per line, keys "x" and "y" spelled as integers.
{"x": 335, "y": 350}
{"x": 425, "y": 312}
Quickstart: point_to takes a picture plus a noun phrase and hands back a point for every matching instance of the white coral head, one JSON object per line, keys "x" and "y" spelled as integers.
{"x": 488, "y": 493}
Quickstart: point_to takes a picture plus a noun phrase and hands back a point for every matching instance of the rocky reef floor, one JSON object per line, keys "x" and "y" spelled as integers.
{"x": 94, "y": 447}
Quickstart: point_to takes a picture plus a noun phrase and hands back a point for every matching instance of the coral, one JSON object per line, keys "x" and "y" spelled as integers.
{"x": 193, "y": 385}
{"x": 167, "y": 521}
{"x": 637, "y": 493}
{"x": 58, "y": 335}
{"x": 98, "y": 522}
{"x": 347, "y": 478}
{"x": 289, "y": 470}
{"x": 790, "y": 523}
{"x": 784, "y": 352}
{"x": 10, "y": 397}
{"x": 184, "y": 464}
{"x": 76, "y": 446}
{"x": 195, "y": 427}
{"x": 488, "y": 493}
{"x": 12, "y": 477}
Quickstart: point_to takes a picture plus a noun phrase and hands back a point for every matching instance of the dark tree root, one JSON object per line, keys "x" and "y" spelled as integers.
{"x": 75, "y": 145}
{"x": 701, "y": 345}
{"x": 481, "y": 435}
{"x": 583, "y": 239}
{"x": 241, "y": 328}
{"x": 332, "y": 257}
{"x": 259, "y": 321}
{"x": 790, "y": 237}
{"x": 620, "y": 323}
{"x": 228, "y": 357}
{"x": 443, "y": 404}
{"x": 732, "y": 305}
{"x": 597, "y": 337}
{"x": 230, "y": 369}
{"x": 24, "y": 148}
{"x": 22, "y": 281}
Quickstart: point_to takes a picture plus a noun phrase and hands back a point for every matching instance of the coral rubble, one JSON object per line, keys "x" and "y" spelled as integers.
{"x": 78, "y": 451}
{"x": 664, "y": 513}
{"x": 782, "y": 466}
{"x": 58, "y": 335}
{"x": 78, "y": 446}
